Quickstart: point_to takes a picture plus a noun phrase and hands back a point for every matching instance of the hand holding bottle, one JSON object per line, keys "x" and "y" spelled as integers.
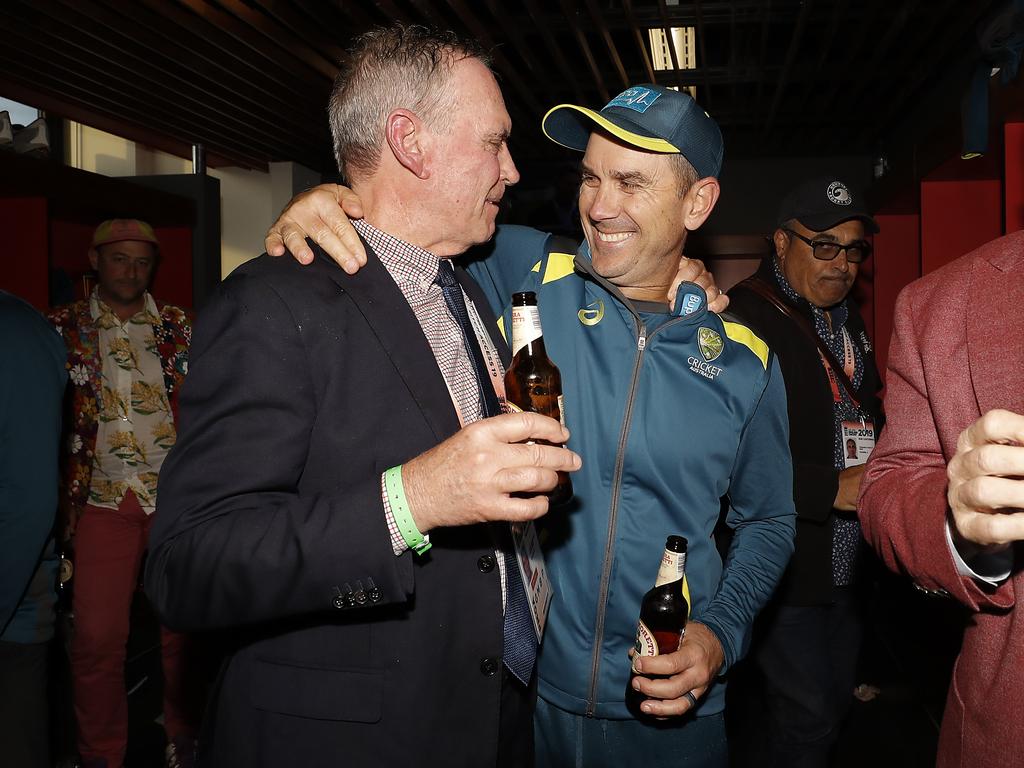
{"x": 691, "y": 669}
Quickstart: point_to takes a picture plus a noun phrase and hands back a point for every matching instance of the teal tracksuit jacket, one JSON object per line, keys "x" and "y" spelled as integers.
{"x": 668, "y": 421}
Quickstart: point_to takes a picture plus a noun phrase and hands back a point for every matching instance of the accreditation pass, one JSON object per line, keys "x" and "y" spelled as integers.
{"x": 530, "y": 560}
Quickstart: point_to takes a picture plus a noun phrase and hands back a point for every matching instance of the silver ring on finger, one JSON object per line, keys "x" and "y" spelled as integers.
{"x": 690, "y": 698}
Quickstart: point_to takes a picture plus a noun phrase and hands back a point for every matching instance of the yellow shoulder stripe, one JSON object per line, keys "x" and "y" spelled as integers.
{"x": 536, "y": 267}
{"x": 559, "y": 266}
{"x": 501, "y": 327}
{"x": 743, "y": 335}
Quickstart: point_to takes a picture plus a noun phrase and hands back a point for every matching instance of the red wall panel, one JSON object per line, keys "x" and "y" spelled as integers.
{"x": 897, "y": 262}
{"x": 25, "y": 270}
{"x": 1014, "y": 176}
{"x": 956, "y": 217}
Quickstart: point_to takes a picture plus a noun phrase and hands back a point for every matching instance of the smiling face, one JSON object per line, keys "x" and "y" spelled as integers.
{"x": 470, "y": 163}
{"x": 633, "y": 216}
{"x": 823, "y": 283}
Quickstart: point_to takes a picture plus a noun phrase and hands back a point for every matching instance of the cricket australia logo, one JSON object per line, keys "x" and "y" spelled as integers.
{"x": 592, "y": 314}
{"x": 711, "y": 346}
{"x": 710, "y": 343}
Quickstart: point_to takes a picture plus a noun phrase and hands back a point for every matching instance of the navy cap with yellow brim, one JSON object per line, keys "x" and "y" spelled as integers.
{"x": 648, "y": 117}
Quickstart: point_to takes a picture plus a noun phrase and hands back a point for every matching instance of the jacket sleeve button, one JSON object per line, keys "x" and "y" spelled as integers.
{"x": 339, "y": 601}
{"x": 360, "y": 597}
{"x": 375, "y": 595}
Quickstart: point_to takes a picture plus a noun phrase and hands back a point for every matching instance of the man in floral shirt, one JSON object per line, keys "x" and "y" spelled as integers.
{"x": 127, "y": 358}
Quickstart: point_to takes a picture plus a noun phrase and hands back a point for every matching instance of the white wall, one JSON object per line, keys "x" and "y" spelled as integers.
{"x": 250, "y": 200}
{"x": 245, "y": 214}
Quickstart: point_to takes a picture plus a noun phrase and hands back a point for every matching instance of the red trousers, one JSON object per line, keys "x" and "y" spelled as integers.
{"x": 108, "y": 552}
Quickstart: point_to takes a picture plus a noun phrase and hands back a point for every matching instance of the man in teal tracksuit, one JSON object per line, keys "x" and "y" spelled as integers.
{"x": 671, "y": 409}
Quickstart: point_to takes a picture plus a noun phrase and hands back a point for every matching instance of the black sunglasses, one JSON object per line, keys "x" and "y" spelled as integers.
{"x": 827, "y": 250}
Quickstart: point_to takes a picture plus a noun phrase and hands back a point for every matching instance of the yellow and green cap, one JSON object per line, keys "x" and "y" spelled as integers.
{"x": 118, "y": 230}
{"x": 649, "y": 117}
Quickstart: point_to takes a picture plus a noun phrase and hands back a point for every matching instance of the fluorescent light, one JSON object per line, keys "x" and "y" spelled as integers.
{"x": 684, "y": 42}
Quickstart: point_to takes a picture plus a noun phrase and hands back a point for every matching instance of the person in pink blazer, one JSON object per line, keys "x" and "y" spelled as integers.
{"x": 943, "y": 499}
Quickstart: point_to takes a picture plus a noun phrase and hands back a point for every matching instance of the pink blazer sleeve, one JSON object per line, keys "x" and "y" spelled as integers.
{"x": 902, "y": 505}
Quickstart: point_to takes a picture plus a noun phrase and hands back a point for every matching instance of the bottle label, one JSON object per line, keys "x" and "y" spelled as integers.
{"x": 673, "y": 566}
{"x": 525, "y": 327}
{"x": 561, "y": 410}
{"x": 645, "y": 644}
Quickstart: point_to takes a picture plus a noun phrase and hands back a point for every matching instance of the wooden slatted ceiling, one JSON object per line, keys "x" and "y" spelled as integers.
{"x": 250, "y": 79}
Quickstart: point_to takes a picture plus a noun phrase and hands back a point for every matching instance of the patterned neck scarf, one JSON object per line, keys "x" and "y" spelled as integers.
{"x": 830, "y": 325}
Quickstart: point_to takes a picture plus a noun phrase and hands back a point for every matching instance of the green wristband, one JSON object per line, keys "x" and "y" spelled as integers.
{"x": 400, "y": 511}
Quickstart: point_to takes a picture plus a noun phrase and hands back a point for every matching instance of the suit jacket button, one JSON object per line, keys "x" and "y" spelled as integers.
{"x": 339, "y": 601}
{"x": 485, "y": 563}
{"x": 350, "y": 598}
{"x": 375, "y": 595}
{"x": 488, "y": 666}
{"x": 361, "y": 597}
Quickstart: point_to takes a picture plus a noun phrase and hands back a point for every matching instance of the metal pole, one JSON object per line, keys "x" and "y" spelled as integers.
{"x": 198, "y": 159}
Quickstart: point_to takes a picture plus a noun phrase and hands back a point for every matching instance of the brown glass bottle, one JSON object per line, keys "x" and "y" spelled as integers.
{"x": 663, "y": 614}
{"x": 532, "y": 382}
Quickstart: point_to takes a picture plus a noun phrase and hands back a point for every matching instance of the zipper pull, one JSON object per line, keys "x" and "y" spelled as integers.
{"x": 641, "y": 341}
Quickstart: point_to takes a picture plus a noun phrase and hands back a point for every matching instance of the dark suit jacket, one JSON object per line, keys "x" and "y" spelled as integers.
{"x": 305, "y": 385}
{"x": 956, "y": 353}
{"x": 808, "y": 579}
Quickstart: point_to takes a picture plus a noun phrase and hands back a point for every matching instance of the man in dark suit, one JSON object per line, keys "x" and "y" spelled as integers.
{"x": 321, "y": 442}
{"x": 942, "y": 493}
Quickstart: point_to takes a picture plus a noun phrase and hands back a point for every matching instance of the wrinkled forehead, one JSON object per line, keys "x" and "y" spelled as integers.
{"x": 474, "y": 90}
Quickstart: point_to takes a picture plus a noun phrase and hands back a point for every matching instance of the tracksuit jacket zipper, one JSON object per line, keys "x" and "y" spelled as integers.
{"x": 613, "y": 512}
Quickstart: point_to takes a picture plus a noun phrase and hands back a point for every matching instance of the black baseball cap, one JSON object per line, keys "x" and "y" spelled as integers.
{"x": 649, "y": 117}
{"x": 821, "y": 203}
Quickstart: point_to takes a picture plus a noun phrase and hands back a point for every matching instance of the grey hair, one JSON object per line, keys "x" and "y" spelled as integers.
{"x": 686, "y": 174}
{"x": 396, "y": 67}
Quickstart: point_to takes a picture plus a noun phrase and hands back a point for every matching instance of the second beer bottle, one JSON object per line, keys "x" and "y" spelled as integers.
{"x": 532, "y": 382}
{"x": 663, "y": 614}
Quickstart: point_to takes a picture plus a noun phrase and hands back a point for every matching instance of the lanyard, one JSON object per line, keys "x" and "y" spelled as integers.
{"x": 848, "y": 368}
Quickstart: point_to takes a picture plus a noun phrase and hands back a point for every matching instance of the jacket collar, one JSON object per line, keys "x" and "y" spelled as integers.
{"x": 392, "y": 320}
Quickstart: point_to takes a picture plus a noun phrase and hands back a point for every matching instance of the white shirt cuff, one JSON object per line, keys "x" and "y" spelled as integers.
{"x": 987, "y": 567}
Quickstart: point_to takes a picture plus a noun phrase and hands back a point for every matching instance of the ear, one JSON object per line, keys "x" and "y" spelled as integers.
{"x": 780, "y": 241}
{"x": 94, "y": 259}
{"x": 404, "y": 133}
{"x": 701, "y": 199}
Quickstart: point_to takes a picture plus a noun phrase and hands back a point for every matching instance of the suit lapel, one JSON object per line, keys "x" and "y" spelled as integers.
{"x": 995, "y": 333}
{"x": 392, "y": 320}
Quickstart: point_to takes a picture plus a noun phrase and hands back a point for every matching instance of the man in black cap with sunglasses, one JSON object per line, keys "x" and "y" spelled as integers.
{"x": 799, "y": 302}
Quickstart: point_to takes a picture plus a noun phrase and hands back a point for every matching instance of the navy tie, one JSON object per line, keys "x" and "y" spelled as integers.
{"x": 520, "y": 640}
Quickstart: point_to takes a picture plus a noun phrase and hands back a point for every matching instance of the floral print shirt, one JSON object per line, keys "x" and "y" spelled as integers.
{"x": 135, "y": 428}
{"x": 172, "y": 333}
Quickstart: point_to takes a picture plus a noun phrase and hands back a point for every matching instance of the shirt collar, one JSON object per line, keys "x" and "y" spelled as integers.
{"x": 106, "y": 317}
{"x": 837, "y": 314}
{"x": 406, "y": 262}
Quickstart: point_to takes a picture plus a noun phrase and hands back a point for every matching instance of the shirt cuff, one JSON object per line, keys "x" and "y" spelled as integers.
{"x": 398, "y": 544}
{"x": 986, "y": 567}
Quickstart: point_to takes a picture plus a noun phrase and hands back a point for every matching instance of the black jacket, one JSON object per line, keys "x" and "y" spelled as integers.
{"x": 808, "y": 579}
{"x": 305, "y": 385}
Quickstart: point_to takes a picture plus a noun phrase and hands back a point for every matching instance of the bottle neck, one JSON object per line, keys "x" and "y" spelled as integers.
{"x": 673, "y": 565}
{"x": 526, "y": 330}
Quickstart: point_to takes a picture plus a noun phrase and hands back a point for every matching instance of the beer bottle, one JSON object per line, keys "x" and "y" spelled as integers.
{"x": 532, "y": 382}
{"x": 65, "y": 588}
{"x": 663, "y": 614}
